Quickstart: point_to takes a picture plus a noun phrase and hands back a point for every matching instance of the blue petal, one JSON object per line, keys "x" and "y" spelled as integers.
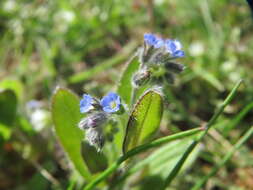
{"x": 150, "y": 39}
{"x": 159, "y": 43}
{"x": 178, "y": 53}
{"x": 86, "y": 103}
{"x": 170, "y": 46}
{"x": 177, "y": 44}
{"x": 105, "y": 101}
{"x": 113, "y": 95}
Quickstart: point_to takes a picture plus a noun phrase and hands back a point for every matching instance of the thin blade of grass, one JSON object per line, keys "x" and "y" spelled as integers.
{"x": 240, "y": 142}
{"x": 180, "y": 163}
{"x": 234, "y": 122}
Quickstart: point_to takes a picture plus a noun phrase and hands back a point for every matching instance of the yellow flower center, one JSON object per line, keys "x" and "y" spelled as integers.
{"x": 113, "y": 104}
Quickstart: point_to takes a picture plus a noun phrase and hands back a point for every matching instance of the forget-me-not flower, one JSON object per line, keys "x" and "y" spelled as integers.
{"x": 111, "y": 103}
{"x": 150, "y": 39}
{"x": 153, "y": 40}
{"x": 174, "y": 48}
{"x": 86, "y": 103}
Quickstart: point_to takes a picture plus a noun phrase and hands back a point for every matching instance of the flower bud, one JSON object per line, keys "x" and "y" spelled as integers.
{"x": 174, "y": 67}
{"x": 93, "y": 120}
{"x": 141, "y": 78}
{"x": 169, "y": 78}
{"x": 95, "y": 137}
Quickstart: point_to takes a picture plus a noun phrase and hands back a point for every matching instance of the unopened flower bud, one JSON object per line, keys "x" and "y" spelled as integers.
{"x": 169, "y": 78}
{"x": 95, "y": 137}
{"x": 93, "y": 120}
{"x": 141, "y": 78}
{"x": 174, "y": 67}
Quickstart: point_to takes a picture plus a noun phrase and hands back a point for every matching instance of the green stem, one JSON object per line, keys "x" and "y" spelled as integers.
{"x": 180, "y": 163}
{"x": 138, "y": 150}
{"x": 242, "y": 140}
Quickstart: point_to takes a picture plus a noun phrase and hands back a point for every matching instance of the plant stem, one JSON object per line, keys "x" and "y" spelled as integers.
{"x": 180, "y": 163}
{"x": 133, "y": 97}
{"x": 138, "y": 150}
{"x": 242, "y": 140}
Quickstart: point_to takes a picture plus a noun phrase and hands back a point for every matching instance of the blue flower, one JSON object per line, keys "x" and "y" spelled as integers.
{"x": 174, "y": 48}
{"x": 159, "y": 43}
{"x": 86, "y": 103}
{"x": 110, "y": 103}
{"x": 152, "y": 40}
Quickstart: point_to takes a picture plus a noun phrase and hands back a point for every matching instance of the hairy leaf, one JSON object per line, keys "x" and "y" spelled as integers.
{"x": 66, "y": 115}
{"x": 144, "y": 120}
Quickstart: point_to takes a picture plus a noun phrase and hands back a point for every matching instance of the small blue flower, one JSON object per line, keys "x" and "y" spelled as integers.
{"x": 110, "y": 103}
{"x": 153, "y": 40}
{"x": 174, "y": 48}
{"x": 159, "y": 43}
{"x": 86, "y": 103}
{"x": 150, "y": 39}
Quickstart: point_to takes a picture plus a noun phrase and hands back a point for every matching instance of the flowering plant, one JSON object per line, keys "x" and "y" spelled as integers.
{"x": 101, "y": 134}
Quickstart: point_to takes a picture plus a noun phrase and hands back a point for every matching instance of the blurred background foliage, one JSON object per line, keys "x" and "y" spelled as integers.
{"x": 84, "y": 44}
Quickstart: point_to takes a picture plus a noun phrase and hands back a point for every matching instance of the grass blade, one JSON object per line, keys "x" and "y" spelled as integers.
{"x": 180, "y": 163}
{"x": 240, "y": 142}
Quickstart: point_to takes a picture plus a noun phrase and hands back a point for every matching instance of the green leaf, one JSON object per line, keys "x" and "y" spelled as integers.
{"x": 8, "y": 107}
{"x": 144, "y": 120}
{"x": 66, "y": 115}
{"x": 125, "y": 85}
{"x": 13, "y": 84}
{"x": 96, "y": 161}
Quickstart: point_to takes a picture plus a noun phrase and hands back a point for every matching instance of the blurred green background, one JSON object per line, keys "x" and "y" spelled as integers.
{"x": 83, "y": 45}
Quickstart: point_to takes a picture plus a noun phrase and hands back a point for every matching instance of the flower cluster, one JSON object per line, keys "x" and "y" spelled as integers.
{"x": 98, "y": 114}
{"x": 173, "y": 47}
{"x": 157, "y": 58}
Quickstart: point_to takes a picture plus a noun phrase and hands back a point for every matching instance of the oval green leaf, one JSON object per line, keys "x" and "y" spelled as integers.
{"x": 66, "y": 115}
{"x": 144, "y": 120}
